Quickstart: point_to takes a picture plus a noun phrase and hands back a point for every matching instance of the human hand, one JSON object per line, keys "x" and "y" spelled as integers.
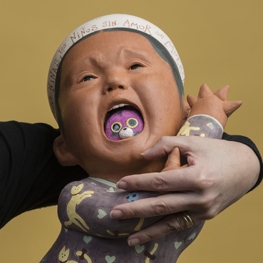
{"x": 213, "y": 180}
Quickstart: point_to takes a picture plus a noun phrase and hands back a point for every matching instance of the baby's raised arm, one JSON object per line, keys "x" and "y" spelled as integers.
{"x": 215, "y": 104}
{"x": 209, "y": 113}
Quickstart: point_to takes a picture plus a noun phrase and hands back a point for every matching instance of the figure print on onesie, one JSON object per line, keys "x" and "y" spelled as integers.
{"x": 115, "y": 87}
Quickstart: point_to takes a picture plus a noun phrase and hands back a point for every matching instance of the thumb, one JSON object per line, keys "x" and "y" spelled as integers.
{"x": 173, "y": 161}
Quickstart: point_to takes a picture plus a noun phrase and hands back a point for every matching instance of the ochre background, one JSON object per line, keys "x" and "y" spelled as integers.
{"x": 220, "y": 42}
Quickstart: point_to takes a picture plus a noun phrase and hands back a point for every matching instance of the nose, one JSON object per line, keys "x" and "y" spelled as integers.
{"x": 115, "y": 79}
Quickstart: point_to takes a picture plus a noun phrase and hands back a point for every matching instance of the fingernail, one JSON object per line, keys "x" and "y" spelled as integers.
{"x": 133, "y": 242}
{"x": 145, "y": 152}
{"x": 116, "y": 214}
{"x": 122, "y": 185}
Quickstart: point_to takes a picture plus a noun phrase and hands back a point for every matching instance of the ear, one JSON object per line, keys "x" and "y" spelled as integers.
{"x": 64, "y": 156}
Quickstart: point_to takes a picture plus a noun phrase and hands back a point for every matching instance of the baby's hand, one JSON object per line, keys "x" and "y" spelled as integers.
{"x": 213, "y": 104}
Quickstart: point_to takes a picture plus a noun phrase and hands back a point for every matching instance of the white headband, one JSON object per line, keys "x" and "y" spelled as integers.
{"x": 105, "y": 22}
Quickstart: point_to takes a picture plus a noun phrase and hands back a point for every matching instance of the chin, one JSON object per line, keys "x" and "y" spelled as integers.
{"x": 120, "y": 165}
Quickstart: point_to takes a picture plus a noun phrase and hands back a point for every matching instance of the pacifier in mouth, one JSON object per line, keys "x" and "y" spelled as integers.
{"x": 123, "y": 122}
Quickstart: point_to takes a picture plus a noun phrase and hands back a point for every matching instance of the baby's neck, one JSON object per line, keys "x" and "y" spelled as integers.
{"x": 114, "y": 175}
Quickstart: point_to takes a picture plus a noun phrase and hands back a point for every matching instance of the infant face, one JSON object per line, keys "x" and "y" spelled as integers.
{"x": 115, "y": 83}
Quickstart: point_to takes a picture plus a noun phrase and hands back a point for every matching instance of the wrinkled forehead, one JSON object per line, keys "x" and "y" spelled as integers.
{"x": 104, "y": 47}
{"x": 109, "y": 22}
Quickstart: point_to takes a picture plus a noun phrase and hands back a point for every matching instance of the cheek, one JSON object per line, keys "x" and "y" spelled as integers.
{"x": 164, "y": 100}
{"x": 77, "y": 104}
{"x": 169, "y": 111}
{"x": 78, "y": 115}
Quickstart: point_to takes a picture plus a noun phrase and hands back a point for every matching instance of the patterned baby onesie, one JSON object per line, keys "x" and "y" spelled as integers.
{"x": 88, "y": 234}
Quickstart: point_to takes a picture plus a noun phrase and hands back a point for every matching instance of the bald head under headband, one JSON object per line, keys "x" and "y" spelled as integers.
{"x": 121, "y": 21}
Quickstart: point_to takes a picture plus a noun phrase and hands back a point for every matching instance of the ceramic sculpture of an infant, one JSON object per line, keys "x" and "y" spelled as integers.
{"x": 116, "y": 87}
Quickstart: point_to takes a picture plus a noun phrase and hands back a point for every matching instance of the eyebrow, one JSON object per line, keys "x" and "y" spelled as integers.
{"x": 98, "y": 60}
{"x": 135, "y": 53}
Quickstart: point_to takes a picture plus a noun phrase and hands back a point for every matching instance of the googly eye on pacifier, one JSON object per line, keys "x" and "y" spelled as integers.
{"x": 132, "y": 123}
{"x": 116, "y": 126}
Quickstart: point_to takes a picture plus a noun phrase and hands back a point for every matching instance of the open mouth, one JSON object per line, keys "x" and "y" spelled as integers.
{"x": 123, "y": 121}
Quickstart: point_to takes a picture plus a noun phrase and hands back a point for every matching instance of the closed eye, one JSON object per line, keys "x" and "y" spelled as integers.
{"x": 88, "y": 78}
{"x": 135, "y": 66}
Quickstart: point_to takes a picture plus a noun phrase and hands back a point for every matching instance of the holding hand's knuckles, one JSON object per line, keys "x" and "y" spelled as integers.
{"x": 205, "y": 209}
{"x": 203, "y": 182}
{"x": 159, "y": 183}
{"x": 160, "y": 208}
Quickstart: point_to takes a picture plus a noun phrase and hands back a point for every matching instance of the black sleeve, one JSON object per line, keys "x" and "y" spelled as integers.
{"x": 30, "y": 175}
{"x": 249, "y": 143}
